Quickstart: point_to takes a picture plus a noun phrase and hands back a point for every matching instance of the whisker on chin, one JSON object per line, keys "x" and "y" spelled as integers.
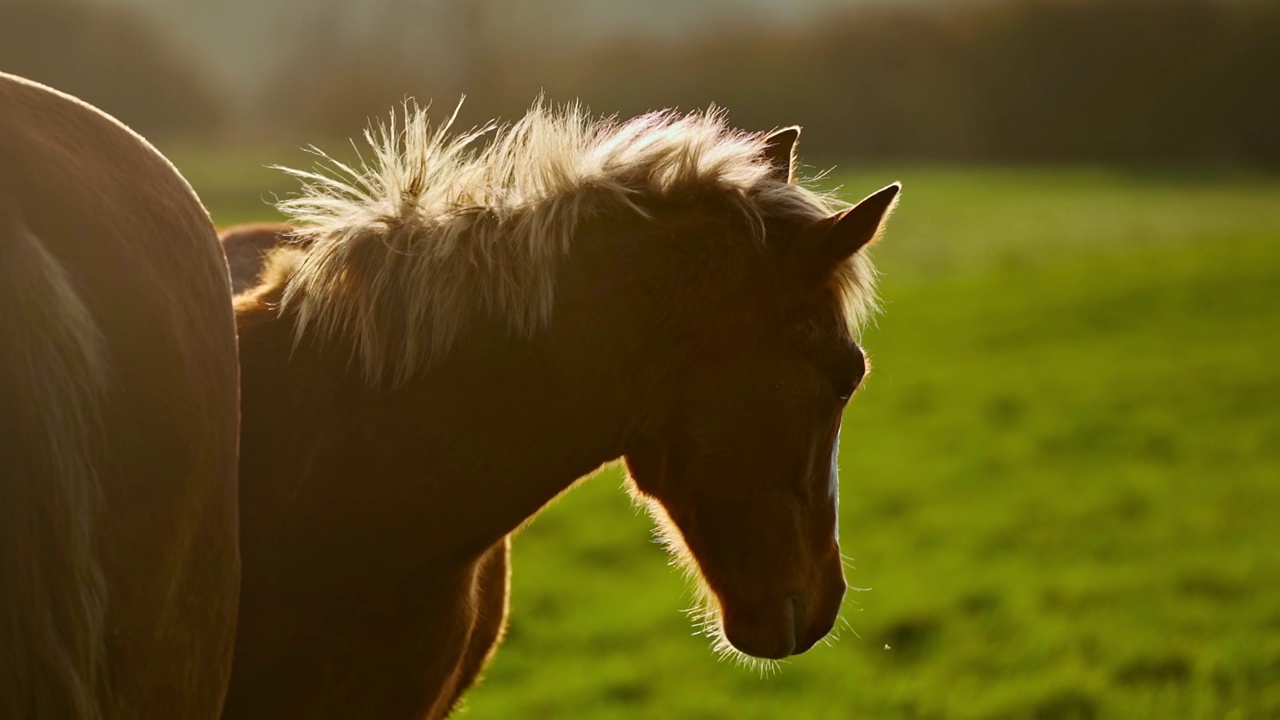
{"x": 842, "y": 622}
{"x": 705, "y": 613}
{"x": 726, "y": 652}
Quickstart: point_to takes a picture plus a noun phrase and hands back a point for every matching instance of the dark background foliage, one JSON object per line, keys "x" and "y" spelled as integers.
{"x": 1153, "y": 82}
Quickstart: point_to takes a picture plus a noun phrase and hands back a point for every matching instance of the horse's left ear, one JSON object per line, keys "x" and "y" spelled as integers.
{"x": 837, "y": 237}
{"x": 780, "y": 151}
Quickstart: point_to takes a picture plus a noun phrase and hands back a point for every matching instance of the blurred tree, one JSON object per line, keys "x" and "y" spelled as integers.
{"x": 1119, "y": 80}
{"x": 341, "y": 73}
{"x": 333, "y": 79}
{"x": 112, "y": 58}
{"x": 1115, "y": 81}
{"x": 1247, "y": 85}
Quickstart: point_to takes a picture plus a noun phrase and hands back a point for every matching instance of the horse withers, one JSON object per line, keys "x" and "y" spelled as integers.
{"x": 118, "y": 424}
{"x": 246, "y": 247}
{"x": 465, "y": 332}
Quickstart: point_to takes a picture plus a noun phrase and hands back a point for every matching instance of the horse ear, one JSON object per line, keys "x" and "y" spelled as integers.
{"x": 780, "y": 151}
{"x": 839, "y": 236}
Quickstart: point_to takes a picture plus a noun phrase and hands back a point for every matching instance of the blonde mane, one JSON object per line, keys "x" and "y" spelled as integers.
{"x": 402, "y": 249}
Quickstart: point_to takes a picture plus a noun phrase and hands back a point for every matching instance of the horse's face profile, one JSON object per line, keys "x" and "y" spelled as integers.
{"x": 741, "y": 455}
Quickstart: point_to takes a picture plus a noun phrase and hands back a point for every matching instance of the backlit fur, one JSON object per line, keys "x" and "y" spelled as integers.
{"x": 434, "y": 229}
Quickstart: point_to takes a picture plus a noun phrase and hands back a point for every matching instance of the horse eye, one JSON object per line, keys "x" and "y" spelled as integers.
{"x": 846, "y": 382}
{"x": 844, "y": 388}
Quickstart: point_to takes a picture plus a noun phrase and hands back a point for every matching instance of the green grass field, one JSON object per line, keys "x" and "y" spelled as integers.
{"x": 1061, "y": 483}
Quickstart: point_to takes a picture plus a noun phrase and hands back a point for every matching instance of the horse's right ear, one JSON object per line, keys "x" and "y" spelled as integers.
{"x": 834, "y": 239}
{"x": 780, "y": 151}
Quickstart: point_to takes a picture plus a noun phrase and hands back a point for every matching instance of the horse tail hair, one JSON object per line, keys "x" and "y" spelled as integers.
{"x": 52, "y": 586}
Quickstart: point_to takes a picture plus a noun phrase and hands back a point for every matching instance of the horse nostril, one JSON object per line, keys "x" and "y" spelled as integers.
{"x": 799, "y": 611}
{"x": 811, "y": 626}
{"x": 793, "y": 623}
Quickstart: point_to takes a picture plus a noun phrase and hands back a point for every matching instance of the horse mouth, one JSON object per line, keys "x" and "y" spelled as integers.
{"x": 768, "y": 641}
{"x": 791, "y": 630}
{"x": 768, "y": 638}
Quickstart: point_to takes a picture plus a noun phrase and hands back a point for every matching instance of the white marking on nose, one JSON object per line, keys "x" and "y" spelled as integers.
{"x": 833, "y": 481}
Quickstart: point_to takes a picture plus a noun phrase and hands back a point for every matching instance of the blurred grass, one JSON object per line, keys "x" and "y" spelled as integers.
{"x": 1061, "y": 484}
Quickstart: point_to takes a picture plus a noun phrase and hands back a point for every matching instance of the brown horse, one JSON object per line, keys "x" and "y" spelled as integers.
{"x": 246, "y": 248}
{"x": 470, "y": 331}
{"x": 119, "y": 562}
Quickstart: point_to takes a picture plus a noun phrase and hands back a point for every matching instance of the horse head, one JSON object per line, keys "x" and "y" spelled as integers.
{"x": 738, "y": 462}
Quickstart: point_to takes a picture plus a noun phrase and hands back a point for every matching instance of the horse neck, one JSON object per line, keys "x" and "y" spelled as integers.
{"x": 451, "y": 462}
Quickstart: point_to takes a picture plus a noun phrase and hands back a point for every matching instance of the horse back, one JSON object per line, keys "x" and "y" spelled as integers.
{"x": 118, "y": 445}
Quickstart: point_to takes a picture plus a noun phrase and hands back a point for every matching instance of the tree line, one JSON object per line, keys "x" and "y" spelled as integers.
{"x": 1150, "y": 82}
